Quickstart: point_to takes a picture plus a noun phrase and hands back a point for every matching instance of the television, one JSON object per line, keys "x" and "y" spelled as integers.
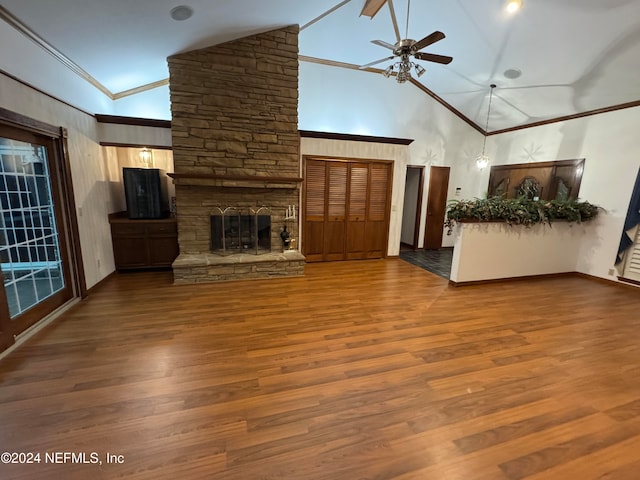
{"x": 145, "y": 191}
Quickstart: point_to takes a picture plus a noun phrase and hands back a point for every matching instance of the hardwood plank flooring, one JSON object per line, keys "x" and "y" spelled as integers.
{"x": 359, "y": 370}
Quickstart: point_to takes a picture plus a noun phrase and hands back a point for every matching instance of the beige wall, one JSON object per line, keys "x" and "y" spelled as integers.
{"x": 88, "y": 169}
{"x": 95, "y": 170}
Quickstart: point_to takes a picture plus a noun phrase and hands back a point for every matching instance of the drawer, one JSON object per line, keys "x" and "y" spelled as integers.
{"x": 169, "y": 228}
{"x": 127, "y": 229}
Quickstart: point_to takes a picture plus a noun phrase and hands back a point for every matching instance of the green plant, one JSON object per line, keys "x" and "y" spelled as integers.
{"x": 518, "y": 211}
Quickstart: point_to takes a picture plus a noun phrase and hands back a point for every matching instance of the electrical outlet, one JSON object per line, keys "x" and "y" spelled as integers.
{"x": 612, "y": 271}
{"x": 98, "y": 262}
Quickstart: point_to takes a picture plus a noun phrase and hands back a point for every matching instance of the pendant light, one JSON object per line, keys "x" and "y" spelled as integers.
{"x": 482, "y": 160}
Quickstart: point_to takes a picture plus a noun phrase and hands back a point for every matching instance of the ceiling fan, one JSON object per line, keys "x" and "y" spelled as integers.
{"x": 407, "y": 49}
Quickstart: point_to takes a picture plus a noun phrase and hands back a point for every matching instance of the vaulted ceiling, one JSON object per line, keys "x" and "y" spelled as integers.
{"x": 572, "y": 56}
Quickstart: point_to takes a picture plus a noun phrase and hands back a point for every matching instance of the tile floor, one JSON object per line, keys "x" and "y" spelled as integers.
{"x": 435, "y": 261}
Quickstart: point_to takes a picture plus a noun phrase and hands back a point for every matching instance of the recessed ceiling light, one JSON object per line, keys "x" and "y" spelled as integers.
{"x": 512, "y": 73}
{"x": 513, "y": 6}
{"x": 182, "y": 12}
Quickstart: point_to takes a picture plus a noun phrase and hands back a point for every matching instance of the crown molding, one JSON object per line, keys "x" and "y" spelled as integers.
{"x": 12, "y": 20}
{"x": 589, "y": 113}
{"x": 354, "y": 138}
{"x": 15, "y": 22}
{"x": 137, "y": 121}
{"x": 141, "y": 88}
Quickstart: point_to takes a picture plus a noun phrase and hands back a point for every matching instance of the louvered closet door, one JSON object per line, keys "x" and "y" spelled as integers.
{"x": 346, "y": 214}
{"x": 315, "y": 200}
{"x": 334, "y": 226}
{"x": 357, "y": 215}
{"x": 377, "y": 210}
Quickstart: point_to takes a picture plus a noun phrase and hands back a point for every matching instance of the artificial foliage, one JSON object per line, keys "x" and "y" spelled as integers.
{"x": 518, "y": 211}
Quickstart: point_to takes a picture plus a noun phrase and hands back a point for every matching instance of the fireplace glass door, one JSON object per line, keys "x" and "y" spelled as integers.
{"x": 236, "y": 231}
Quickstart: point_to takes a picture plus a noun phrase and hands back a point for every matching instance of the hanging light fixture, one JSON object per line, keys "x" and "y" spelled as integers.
{"x": 482, "y": 160}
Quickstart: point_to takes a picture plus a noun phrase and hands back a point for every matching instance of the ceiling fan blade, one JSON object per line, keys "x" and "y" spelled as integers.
{"x": 386, "y": 59}
{"x": 394, "y": 20}
{"x": 371, "y": 7}
{"x": 428, "y": 40}
{"x": 432, "y": 57}
{"x": 384, "y": 44}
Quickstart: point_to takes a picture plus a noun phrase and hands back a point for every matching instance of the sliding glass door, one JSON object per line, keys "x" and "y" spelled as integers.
{"x": 33, "y": 248}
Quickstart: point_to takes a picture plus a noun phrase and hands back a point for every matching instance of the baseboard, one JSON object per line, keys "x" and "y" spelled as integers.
{"x": 622, "y": 282}
{"x": 545, "y": 276}
{"x": 38, "y": 326}
{"x": 101, "y": 283}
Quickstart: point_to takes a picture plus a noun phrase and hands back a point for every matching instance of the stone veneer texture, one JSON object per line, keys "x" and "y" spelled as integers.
{"x": 235, "y": 112}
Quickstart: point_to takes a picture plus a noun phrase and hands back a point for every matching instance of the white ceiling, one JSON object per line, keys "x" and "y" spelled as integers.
{"x": 575, "y": 55}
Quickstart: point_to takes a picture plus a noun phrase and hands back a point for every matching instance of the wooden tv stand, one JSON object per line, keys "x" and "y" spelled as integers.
{"x": 143, "y": 243}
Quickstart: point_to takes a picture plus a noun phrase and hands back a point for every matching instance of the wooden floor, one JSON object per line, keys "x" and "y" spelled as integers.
{"x": 360, "y": 370}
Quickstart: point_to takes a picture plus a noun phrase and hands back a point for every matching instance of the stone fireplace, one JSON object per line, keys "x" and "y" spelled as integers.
{"x": 236, "y": 150}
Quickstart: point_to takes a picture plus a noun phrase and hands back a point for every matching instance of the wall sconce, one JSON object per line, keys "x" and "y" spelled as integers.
{"x": 146, "y": 157}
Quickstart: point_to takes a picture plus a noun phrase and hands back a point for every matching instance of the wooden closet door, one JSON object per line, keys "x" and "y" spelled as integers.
{"x": 315, "y": 208}
{"x": 346, "y": 209}
{"x": 334, "y": 225}
{"x": 377, "y": 225}
{"x": 357, "y": 211}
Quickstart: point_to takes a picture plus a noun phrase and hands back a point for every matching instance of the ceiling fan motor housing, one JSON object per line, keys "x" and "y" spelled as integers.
{"x": 403, "y": 47}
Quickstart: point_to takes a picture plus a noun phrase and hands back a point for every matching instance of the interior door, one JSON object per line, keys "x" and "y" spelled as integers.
{"x": 436, "y": 207}
{"x": 33, "y": 248}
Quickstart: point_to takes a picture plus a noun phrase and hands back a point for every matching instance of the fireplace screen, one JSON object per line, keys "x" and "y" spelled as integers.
{"x": 241, "y": 231}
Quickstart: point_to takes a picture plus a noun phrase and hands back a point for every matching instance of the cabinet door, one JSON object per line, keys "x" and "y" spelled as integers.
{"x": 162, "y": 251}
{"x": 162, "y": 243}
{"x": 130, "y": 252}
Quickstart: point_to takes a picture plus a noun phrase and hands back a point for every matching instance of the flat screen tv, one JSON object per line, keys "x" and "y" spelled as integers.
{"x": 145, "y": 192}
